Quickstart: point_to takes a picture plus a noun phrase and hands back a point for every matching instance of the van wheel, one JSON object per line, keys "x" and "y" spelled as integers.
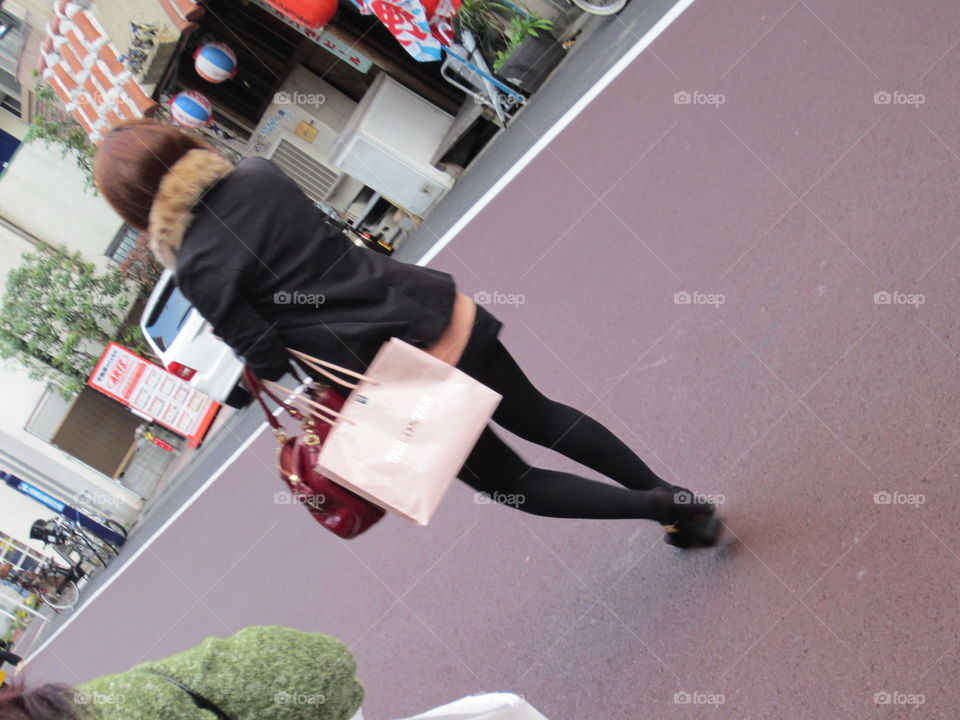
{"x": 238, "y": 398}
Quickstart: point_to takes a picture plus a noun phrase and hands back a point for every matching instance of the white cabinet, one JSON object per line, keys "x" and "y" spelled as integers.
{"x": 388, "y": 143}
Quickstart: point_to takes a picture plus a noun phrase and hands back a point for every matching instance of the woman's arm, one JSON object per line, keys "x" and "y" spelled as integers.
{"x": 214, "y": 293}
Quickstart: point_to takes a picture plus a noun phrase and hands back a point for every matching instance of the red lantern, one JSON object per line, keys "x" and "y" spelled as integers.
{"x": 309, "y": 13}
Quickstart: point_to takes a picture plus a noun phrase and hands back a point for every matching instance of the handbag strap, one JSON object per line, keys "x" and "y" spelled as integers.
{"x": 199, "y": 700}
{"x": 307, "y": 408}
{"x": 256, "y": 389}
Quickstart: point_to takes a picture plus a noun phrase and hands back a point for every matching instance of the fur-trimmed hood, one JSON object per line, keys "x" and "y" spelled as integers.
{"x": 179, "y": 192}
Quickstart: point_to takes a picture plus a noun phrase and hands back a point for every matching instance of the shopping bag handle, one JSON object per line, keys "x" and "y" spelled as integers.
{"x": 312, "y": 406}
{"x": 324, "y": 368}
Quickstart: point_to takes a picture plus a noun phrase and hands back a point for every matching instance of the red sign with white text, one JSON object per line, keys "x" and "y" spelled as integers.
{"x": 152, "y": 391}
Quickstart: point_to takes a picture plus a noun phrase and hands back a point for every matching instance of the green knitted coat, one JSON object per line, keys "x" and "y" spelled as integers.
{"x": 261, "y": 673}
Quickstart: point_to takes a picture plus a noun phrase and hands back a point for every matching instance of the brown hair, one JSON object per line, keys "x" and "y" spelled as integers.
{"x": 46, "y": 702}
{"x": 132, "y": 160}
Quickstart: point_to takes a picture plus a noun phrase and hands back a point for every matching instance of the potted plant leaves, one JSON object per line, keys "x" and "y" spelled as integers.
{"x": 517, "y": 43}
{"x": 531, "y": 53}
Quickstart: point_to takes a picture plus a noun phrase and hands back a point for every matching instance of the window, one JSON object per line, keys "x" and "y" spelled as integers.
{"x": 11, "y": 105}
{"x": 122, "y": 244}
{"x": 17, "y": 554}
{"x": 168, "y": 316}
{"x": 13, "y": 555}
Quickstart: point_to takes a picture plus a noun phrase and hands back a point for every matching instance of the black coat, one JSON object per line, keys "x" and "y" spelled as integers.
{"x": 261, "y": 265}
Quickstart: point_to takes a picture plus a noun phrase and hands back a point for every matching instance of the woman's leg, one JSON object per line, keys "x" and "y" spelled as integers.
{"x": 526, "y": 412}
{"x": 496, "y": 470}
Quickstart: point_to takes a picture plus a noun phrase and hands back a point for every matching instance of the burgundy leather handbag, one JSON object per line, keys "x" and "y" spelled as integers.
{"x": 339, "y": 510}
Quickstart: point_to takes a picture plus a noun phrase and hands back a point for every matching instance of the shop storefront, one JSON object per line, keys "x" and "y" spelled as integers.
{"x": 373, "y": 134}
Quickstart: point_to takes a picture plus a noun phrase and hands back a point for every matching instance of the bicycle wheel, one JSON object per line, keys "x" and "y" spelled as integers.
{"x": 600, "y": 7}
{"x": 89, "y": 551}
{"x": 116, "y": 527}
{"x": 63, "y": 597}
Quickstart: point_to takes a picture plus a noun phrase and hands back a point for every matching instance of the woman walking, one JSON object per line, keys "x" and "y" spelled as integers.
{"x": 253, "y": 254}
{"x": 261, "y": 673}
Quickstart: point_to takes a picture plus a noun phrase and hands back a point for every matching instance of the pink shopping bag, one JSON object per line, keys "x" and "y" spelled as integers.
{"x": 405, "y": 430}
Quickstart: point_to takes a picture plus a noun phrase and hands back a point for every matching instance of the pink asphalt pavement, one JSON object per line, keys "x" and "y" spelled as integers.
{"x": 743, "y": 257}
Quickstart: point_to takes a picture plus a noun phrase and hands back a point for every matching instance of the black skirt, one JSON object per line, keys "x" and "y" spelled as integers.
{"x": 483, "y": 339}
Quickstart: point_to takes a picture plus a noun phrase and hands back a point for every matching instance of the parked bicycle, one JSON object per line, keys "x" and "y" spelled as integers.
{"x": 53, "y": 584}
{"x": 81, "y": 535}
{"x": 86, "y": 504}
{"x": 68, "y": 539}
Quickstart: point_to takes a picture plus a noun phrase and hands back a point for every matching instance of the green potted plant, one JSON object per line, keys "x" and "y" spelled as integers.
{"x": 516, "y": 42}
{"x": 531, "y": 53}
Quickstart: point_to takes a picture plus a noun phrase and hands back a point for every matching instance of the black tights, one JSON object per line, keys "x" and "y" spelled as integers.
{"x": 496, "y": 470}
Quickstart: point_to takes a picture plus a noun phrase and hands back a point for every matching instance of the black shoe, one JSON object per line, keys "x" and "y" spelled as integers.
{"x": 700, "y": 530}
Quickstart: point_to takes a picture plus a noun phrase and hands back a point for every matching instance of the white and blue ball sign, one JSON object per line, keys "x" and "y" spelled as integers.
{"x": 215, "y": 62}
{"x": 191, "y": 109}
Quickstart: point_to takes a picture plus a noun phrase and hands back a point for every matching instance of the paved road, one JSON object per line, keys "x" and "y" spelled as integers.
{"x": 754, "y": 282}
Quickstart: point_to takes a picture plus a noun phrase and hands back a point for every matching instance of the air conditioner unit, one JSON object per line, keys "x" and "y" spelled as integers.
{"x": 297, "y": 132}
{"x": 317, "y": 179}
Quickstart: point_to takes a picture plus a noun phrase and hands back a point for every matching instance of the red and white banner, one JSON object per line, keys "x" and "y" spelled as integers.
{"x": 153, "y": 392}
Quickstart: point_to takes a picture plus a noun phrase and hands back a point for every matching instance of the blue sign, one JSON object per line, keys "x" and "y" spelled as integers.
{"x": 41, "y": 496}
